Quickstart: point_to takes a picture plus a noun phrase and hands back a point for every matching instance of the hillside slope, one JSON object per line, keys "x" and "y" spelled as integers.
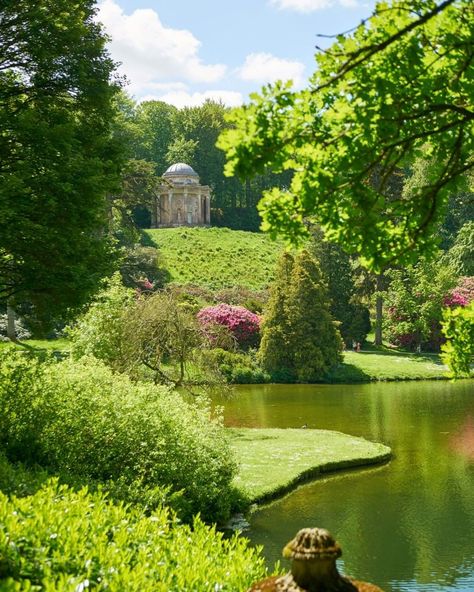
{"x": 216, "y": 257}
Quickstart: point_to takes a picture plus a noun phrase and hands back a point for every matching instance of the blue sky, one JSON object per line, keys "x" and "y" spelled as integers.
{"x": 184, "y": 51}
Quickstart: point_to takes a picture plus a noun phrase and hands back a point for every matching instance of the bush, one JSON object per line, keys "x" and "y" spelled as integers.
{"x": 462, "y": 294}
{"x": 237, "y": 368}
{"x": 81, "y": 418}
{"x": 243, "y": 324}
{"x": 59, "y": 539}
{"x": 99, "y": 332}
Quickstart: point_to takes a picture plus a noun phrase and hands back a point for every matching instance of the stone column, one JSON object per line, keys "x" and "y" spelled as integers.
{"x": 170, "y": 209}
{"x": 208, "y": 208}
{"x": 200, "y": 220}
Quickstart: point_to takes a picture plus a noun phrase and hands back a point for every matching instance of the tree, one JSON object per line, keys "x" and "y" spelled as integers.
{"x": 415, "y": 301}
{"x": 299, "y": 336}
{"x": 338, "y": 273}
{"x": 57, "y": 157}
{"x": 461, "y": 255}
{"x": 398, "y": 88}
{"x": 154, "y": 123}
{"x": 273, "y": 353}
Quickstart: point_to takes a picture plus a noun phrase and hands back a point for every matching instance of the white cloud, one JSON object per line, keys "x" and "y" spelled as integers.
{"x": 310, "y": 5}
{"x": 151, "y": 53}
{"x": 264, "y": 67}
{"x": 182, "y": 98}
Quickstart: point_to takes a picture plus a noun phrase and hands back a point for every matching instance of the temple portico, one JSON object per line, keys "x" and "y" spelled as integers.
{"x": 181, "y": 200}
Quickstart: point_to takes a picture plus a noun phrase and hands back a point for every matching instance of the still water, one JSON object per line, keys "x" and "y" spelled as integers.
{"x": 407, "y": 525}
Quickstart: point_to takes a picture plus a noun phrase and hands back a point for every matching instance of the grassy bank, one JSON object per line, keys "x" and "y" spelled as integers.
{"x": 273, "y": 461}
{"x": 216, "y": 257}
{"x": 368, "y": 366}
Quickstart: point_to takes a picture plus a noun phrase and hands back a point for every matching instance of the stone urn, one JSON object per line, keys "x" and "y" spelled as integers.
{"x": 313, "y": 552}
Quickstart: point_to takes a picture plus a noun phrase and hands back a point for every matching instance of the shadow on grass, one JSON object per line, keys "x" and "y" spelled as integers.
{"x": 347, "y": 373}
{"x": 147, "y": 241}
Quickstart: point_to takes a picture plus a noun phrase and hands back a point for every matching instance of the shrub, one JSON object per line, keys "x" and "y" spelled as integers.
{"x": 99, "y": 332}
{"x": 458, "y": 351}
{"x": 59, "y": 539}
{"x": 243, "y": 324}
{"x": 462, "y": 294}
{"x": 237, "y": 368}
{"x": 81, "y": 418}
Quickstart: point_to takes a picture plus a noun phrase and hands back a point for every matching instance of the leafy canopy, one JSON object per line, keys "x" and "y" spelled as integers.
{"x": 396, "y": 91}
{"x": 57, "y": 157}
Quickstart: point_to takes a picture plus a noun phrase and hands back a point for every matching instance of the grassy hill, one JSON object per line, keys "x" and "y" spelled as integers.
{"x": 216, "y": 257}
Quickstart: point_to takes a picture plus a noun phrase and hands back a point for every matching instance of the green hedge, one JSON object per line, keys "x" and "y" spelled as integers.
{"x": 59, "y": 539}
{"x": 81, "y": 418}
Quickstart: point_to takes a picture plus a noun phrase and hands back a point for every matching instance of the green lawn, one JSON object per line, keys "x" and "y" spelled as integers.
{"x": 216, "y": 257}
{"x": 273, "y": 461}
{"x": 388, "y": 365}
{"x": 43, "y": 344}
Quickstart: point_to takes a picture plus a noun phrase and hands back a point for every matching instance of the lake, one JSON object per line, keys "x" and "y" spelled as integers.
{"x": 407, "y": 525}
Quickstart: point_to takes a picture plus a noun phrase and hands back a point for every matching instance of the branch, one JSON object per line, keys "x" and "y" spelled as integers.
{"x": 370, "y": 50}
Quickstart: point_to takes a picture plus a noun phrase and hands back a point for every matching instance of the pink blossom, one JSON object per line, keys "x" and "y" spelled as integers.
{"x": 242, "y": 323}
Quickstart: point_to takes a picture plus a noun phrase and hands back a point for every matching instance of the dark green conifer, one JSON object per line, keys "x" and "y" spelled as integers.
{"x": 274, "y": 345}
{"x": 300, "y": 340}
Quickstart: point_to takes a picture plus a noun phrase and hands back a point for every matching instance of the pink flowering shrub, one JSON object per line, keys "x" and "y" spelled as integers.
{"x": 462, "y": 294}
{"x": 243, "y": 324}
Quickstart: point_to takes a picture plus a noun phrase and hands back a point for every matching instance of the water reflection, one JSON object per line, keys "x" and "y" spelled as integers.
{"x": 408, "y": 525}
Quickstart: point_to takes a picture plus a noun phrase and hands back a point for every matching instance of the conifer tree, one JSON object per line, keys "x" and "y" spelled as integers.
{"x": 273, "y": 345}
{"x": 314, "y": 340}
{"x": 300, "y": 341}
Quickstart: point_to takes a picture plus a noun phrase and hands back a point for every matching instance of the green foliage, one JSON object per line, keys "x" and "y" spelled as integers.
{"x": 458, "y": 328}
{"x": 414, "y": 303}
{"x": 216, "y": 258}
{"x": 154, "y": 125}
{"x": 65, "y": 540}
{"x": 299, "y": 337}
{"x": 378, "y": 101}
{"x": 338, "y": 273}
{"x": 460, "y": 256}
{"x": 58, "y": 159}
{"x": 99, "y": 332}
{"x": 274, "y": 354}
{"x": 161, "y": 334}
{"x": 237, "y": 368}
{"x": 143, "y": 263}
{"x": 138, "y": 187}
{"x": 81, "y": 418}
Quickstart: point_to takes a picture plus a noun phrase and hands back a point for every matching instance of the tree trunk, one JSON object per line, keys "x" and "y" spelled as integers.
{"x": 11, "y": 332}
{"x": 378, "y": 310}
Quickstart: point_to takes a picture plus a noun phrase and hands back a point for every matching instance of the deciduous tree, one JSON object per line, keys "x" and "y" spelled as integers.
{"x": 397, "y": 89}
{"x": 57, "y": 157}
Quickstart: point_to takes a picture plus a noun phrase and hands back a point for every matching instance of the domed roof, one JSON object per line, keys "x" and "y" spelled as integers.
{"x": 180, "y": 169}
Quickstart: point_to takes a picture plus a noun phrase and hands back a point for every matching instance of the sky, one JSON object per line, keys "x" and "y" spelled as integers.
{"x": 185, "y": 51}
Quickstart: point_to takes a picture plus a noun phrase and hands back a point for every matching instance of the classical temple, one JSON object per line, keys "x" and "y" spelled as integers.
{"x": 181, "y": 200}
